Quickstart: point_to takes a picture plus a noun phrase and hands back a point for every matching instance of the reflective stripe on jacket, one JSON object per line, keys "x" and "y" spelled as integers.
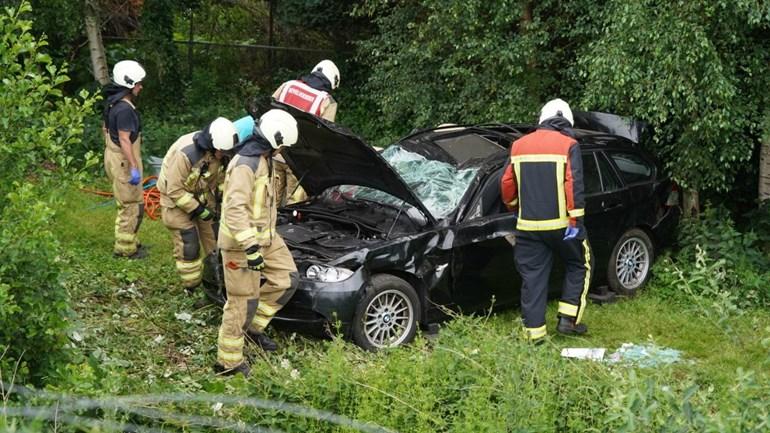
{"x": 544, "y": 181}
{"x": 248, "y": 208}
{"x": 189, "y": 176}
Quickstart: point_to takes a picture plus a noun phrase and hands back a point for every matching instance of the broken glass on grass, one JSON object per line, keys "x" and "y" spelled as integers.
{"x": 644, "y": 355}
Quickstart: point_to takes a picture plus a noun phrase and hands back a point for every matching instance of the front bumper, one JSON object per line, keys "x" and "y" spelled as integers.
{"x": 324, "y": 305}
{"x": 315, "y": 306}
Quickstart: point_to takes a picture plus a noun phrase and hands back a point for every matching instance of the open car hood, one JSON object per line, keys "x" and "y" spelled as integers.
{"x": 327, "y": 155}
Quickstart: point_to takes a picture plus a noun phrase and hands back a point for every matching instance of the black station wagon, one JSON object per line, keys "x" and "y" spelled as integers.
{"x": 388, "y": 240}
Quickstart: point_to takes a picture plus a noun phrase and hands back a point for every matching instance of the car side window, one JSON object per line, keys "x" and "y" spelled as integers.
{"x": 633, "y": 168}
{"x": 591, "y": 180}
{"x": 610, "y": 181}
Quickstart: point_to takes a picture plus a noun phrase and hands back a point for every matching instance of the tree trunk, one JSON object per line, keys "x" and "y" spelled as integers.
{"x": 95, "y": 44}
{"x": 526, "y": 13}
{"x": 764, "y": 170}
{"x": 691, "y": 203}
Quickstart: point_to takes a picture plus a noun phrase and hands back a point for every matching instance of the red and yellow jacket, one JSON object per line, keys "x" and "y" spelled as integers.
{"x": 544, "y": 181}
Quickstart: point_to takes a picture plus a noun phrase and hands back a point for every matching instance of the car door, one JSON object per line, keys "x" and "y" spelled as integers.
{"x": 604, "y": 201}
{"x": 482, "y": 258}
{"x": 601, "y": 205}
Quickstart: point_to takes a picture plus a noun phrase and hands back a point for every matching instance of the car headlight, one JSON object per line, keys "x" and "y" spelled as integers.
{"x": 327, "y": 274}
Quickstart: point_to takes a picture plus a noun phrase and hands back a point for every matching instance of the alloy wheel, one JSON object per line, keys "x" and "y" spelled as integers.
{"x": 389, "y": 319}
{"x": 632, "y": 263}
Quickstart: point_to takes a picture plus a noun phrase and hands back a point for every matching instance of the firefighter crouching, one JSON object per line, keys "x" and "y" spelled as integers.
{"x": 189, "y": 178}
{"x": 543, "y": 184}
{"x": 250, "y": 246}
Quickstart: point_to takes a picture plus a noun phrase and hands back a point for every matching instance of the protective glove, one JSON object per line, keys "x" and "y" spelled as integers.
{"x": 202, "y": 213}
{"x": 135, "y": 176}
{"x": 254, "y": 258}
{"x": 571, "y": 233}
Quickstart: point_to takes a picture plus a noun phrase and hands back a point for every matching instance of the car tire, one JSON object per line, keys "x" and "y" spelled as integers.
{"x": 387, "y": 315}
{"x": 630, "y": 263}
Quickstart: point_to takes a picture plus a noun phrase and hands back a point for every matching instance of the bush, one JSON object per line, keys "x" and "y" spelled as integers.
{"x": 34, "y": 307}
{"x": 717, "y": 265}
{"x": 38, "y": 127}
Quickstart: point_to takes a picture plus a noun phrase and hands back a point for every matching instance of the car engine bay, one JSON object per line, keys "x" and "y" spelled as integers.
{"x": 330, "y": 225}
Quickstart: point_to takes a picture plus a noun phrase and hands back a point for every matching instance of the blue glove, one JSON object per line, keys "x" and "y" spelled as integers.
{"x": 571, "y": 233}
{"x": 135, "y": 176}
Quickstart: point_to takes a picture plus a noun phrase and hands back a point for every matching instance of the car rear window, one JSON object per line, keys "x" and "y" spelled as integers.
{"x": 465, "y": 147}
{"x": 633, "y": 168}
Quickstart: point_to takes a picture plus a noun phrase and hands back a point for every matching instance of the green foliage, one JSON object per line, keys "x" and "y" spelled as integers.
{"x": 693, "y": 69}
{"x": 719, "y": 269}
{"x": 644, "y": 405}
{"x": 35, "y": 310}
{"x": 435, "y": 62}
{"x": 37, "y": 129}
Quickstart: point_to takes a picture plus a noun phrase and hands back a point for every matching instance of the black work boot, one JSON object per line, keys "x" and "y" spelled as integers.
{"x": 242, "y": 368}
{"x": 568, "y": 326}
{"x": 262, "y": 340}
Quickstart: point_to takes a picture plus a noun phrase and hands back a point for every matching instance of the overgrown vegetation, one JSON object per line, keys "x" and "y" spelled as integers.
{"x": 37, "y": 127}
{"x": 131, "y": 337}
{"x": 85, "y": 325}
{"x": 719, "y": 264}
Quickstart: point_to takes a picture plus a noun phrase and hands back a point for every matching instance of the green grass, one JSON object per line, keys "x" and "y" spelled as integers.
{"x": 477, "y": 375}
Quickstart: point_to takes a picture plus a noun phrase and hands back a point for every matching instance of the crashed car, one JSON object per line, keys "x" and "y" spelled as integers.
{"x": 388, "y": 241}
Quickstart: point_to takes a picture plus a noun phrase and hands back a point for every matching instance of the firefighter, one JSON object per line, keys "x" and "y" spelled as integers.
{"x": 251, "y": 248}
{"x": 189, "y": 178}
{"x": 122, "y": 130}
{"x": 312, "y": 94}
{"x": 543, "y": 185}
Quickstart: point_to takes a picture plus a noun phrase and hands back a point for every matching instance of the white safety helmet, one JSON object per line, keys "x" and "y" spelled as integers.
{"x": 330, "y": 71}
{"x": 127, "y": 73}
{"x": 224, "y": 136}
{"x": 556, "y": 107}
{"x": 279, "y": 128}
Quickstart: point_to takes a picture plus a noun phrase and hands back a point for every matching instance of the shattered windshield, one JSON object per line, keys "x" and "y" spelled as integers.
{"x": 438, "y": 185}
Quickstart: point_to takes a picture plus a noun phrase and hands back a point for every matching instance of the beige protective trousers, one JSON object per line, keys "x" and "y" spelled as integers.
{"x": 129, "y": 198}
{"x": 287, "y": 189}
{"x": 189, "y": 235}
{"x": 249, "y": 306}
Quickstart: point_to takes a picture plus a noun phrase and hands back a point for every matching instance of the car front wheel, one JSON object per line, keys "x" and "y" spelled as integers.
{"x": 388, "y": 314}
{"x": 630, "y": 262}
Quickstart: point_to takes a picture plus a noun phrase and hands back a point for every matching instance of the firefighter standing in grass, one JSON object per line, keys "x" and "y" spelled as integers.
{"x": 250, "y": 246}
{"x": 312, "y": 94}
{"x": 543, "y": 184}
{"x": 122, "y": 130}
{"x": 189, "y": 178}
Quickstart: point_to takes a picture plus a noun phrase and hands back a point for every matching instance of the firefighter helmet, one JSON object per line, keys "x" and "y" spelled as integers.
{"x": 224, "y": 136}
{"x": 556, "y": 107}
{"x": 279, "y": 128}
{"x": 329, "y": 70}
{"x": 127, "y": 73}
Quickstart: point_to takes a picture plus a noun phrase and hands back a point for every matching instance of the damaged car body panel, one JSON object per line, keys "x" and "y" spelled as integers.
{"x": 388, "y": 240}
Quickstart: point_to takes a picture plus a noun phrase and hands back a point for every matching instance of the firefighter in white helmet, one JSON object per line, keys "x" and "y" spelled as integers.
{"x": 543, "y": 185}
{"x": 122, "y": 129}
{"x": 250, "y": 246}
{"x": 190, "y": 176}
{"x": 311, "y": 93}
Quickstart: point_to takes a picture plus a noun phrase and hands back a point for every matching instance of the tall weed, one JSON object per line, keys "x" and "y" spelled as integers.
{"x": 717, "y": 265}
